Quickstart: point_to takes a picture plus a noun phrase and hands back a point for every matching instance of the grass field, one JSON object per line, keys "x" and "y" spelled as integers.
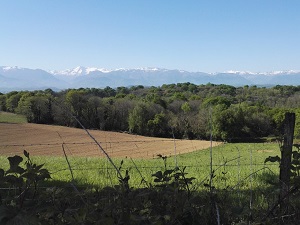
{"x": 241, "y": 179}
{"x": 6, "y": 117}
{"x": 233, "y": 164}
{"x": 242, "y": 184}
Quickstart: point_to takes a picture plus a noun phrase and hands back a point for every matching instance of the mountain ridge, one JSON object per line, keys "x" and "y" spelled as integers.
{"x": 18, "y": 78}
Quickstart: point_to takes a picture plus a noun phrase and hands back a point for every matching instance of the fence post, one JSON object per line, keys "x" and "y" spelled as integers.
{"x": 286, "y": 155}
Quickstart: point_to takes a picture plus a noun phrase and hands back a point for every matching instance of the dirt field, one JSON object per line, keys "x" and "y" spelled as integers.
{"x": 49, "y": 140}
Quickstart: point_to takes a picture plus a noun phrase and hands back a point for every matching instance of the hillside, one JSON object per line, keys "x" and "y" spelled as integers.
{"x": 48, "y": 140}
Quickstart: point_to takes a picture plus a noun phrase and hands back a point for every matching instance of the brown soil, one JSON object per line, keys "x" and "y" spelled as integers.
{"x": 50, "y": 140}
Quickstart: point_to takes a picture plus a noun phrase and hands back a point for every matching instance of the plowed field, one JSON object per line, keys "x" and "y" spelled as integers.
{"x": 51, "y": 140}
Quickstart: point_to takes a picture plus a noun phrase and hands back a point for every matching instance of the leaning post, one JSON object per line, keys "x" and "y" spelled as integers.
{"x": 286, "y": 155}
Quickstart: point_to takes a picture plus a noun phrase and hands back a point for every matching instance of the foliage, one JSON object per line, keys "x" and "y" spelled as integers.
{"x": 22, "y": 185}
{"x": 172, "y": 196}
{"x": 37, "y": 109}
{"x": 256, "y": 111}
{"x": 295, "y": 166}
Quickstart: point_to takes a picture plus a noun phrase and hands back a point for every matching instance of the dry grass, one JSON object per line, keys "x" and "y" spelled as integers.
{"x": 47, "y": 140}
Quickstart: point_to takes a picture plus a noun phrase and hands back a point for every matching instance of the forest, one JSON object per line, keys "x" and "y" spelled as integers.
{"x": 182, "y": 110}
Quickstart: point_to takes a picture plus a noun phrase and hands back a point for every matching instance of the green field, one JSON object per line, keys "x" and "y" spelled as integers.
{"x": 242, "y": 184}
{"x": 233, "y": 164}
{"x": 6, "y": 117}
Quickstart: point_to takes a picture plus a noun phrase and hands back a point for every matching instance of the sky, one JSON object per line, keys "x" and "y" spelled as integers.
{"x": 193, "y": 35}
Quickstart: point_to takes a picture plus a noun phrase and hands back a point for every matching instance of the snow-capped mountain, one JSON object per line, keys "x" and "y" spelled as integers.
{"x": 16, "y": 78}
{"x": 81, "y": 70}
{"x": 78, "y": 71}
{"x": 287, "y": 77}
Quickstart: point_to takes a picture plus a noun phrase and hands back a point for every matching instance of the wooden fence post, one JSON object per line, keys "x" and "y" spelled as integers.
{"x": 286, "y": 155}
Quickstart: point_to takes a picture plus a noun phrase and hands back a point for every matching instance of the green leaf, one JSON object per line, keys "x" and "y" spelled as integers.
{"x": 157, "y": 180}
{"x": 166, "y": 179}
{"x": 189, "y": 180}
{"x": 13, "y": 180}
{"x": 44, "y": 174}
{"x": 16, "y": 169}
{"x": 37, "y": 168}
{"x": 15, "y": 160}
{"x": 158, "y": 174}
{"x": 168, "y": 172}
{"x": 272, "y": 159}
{"x": 26, "y": 154}
{"x": 296, "y": 155}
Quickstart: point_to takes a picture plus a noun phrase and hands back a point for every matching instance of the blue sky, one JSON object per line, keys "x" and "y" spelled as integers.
{"x": 207, "y": 36}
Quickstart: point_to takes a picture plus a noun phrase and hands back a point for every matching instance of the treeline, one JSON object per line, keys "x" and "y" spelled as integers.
{"x": 182, "y": 110}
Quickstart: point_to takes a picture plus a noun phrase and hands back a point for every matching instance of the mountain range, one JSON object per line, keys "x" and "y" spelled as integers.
{"x": 16, "y": 78}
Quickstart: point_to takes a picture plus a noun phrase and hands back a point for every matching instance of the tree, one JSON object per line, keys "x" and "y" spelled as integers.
{"x": 218, "y": 100}
{"x": 158, "y": 126}
{"x": 91, "y": 113}
{"x": 156, "y": 98}
{"x": 278, "y": 115}
{"x": 179, "y": 96}
{"x": 77, "y": 100}
{"x": 139, "y": 117}
{"x": 122, "y": 108}
{"x": 2, "y": 102}
{"x": 12, "y": 101}
{"x": 110, "y": 92}
{"x": 228, "y": 123}
{"x": 35, "y": 108}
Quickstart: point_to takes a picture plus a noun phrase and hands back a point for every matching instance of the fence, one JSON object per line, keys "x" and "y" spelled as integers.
{"x": 233, "y": 164}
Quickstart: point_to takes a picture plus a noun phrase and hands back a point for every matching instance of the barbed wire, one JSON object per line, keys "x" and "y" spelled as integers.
{"x": 83, "y": 143}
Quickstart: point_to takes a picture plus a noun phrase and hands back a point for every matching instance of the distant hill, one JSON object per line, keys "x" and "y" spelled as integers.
{"x": 16, "y": 78}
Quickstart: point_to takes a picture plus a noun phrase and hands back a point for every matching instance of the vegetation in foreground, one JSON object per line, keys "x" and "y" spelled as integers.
{"x": 172, "y": 195}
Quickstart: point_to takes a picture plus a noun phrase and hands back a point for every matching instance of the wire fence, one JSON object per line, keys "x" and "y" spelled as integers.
{"x": 139, "y": 155}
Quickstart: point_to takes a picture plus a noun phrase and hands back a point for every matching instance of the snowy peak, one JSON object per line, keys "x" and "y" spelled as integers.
{"x": 83, "y": 71}
{"x": 239, "y": 72}
{"x": 17, "y": 78}
{"x": 282, "y": 72}
{"x": 79, "y": 71}
{"x": 10, "y": 68}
